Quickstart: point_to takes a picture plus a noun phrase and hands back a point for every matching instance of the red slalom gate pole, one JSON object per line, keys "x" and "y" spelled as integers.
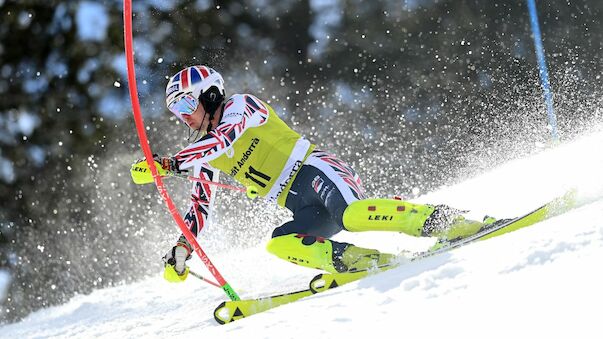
{"x": 146, "y": 149}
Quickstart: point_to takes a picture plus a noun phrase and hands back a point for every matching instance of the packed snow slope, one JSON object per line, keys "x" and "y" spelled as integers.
{"x": 540, "y": 282}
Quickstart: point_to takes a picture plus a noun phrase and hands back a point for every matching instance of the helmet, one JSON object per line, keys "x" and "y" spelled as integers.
{"x": 195, "y": 84}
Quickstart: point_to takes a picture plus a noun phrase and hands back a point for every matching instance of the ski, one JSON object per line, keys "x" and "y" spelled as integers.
{"x": 560, "y": 205}
{"x": 551, "y": 209}
{"x": 229, "y": 311}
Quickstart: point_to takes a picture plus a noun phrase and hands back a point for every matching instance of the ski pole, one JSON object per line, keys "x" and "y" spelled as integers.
{"x": 251, "y": 191}
{"x": 200, "y": 277}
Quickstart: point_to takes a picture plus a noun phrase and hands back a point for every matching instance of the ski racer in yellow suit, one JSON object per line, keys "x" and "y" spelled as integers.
{"x": 244, "y": 137}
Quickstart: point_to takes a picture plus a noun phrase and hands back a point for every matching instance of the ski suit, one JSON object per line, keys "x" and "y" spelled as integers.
{"x": 254, "y": 146}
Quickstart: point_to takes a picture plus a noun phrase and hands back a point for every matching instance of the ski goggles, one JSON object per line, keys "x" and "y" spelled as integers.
{"x": 185, "y": 105}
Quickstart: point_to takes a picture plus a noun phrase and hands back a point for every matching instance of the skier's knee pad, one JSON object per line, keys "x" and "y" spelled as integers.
{"x": 304, "y": 250}
{"x": 386, "y": 215}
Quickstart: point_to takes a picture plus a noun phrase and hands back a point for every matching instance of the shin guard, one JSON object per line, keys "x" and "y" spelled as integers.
{"x": 386, "y": 215}
{"x": 325, "y": 254}
{"x": 304, "y": 250}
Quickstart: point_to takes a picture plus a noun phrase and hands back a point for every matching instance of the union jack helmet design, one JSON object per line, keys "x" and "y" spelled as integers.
{"x": 194, "y": 80}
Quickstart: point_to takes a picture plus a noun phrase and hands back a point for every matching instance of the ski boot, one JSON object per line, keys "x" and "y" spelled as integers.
{"x": 447, "y": 223}
{"x": 386, "y": 215}
{"x": 417, "y": 220}
{"x": 325, "y": 254}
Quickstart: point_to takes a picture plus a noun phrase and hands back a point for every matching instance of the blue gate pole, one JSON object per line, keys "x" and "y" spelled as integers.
{"x": 544, "y": 74}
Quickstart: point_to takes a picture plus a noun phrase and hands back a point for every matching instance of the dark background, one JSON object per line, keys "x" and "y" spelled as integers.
{"x": 414, "y": 94}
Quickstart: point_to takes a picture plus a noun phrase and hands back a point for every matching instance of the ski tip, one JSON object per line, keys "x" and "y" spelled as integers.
{"x": 317, "y": 284}
{"x": 218, "y": 311}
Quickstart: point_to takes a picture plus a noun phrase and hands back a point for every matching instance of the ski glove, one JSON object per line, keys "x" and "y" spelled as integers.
{"x": 168, "y": 163}
{"x": 175, "y": 269}
{"x": 142, "y": 175}
{"x": 165, "y": 166}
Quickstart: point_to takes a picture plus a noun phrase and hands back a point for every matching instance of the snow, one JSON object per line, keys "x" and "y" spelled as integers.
{"x": 542, "y": 282}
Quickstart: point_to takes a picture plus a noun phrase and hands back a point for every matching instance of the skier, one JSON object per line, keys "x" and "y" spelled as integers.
{"x": 244, "y": 137}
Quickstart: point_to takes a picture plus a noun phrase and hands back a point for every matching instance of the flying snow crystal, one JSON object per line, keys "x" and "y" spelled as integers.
{"x": 160, "y": 60}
